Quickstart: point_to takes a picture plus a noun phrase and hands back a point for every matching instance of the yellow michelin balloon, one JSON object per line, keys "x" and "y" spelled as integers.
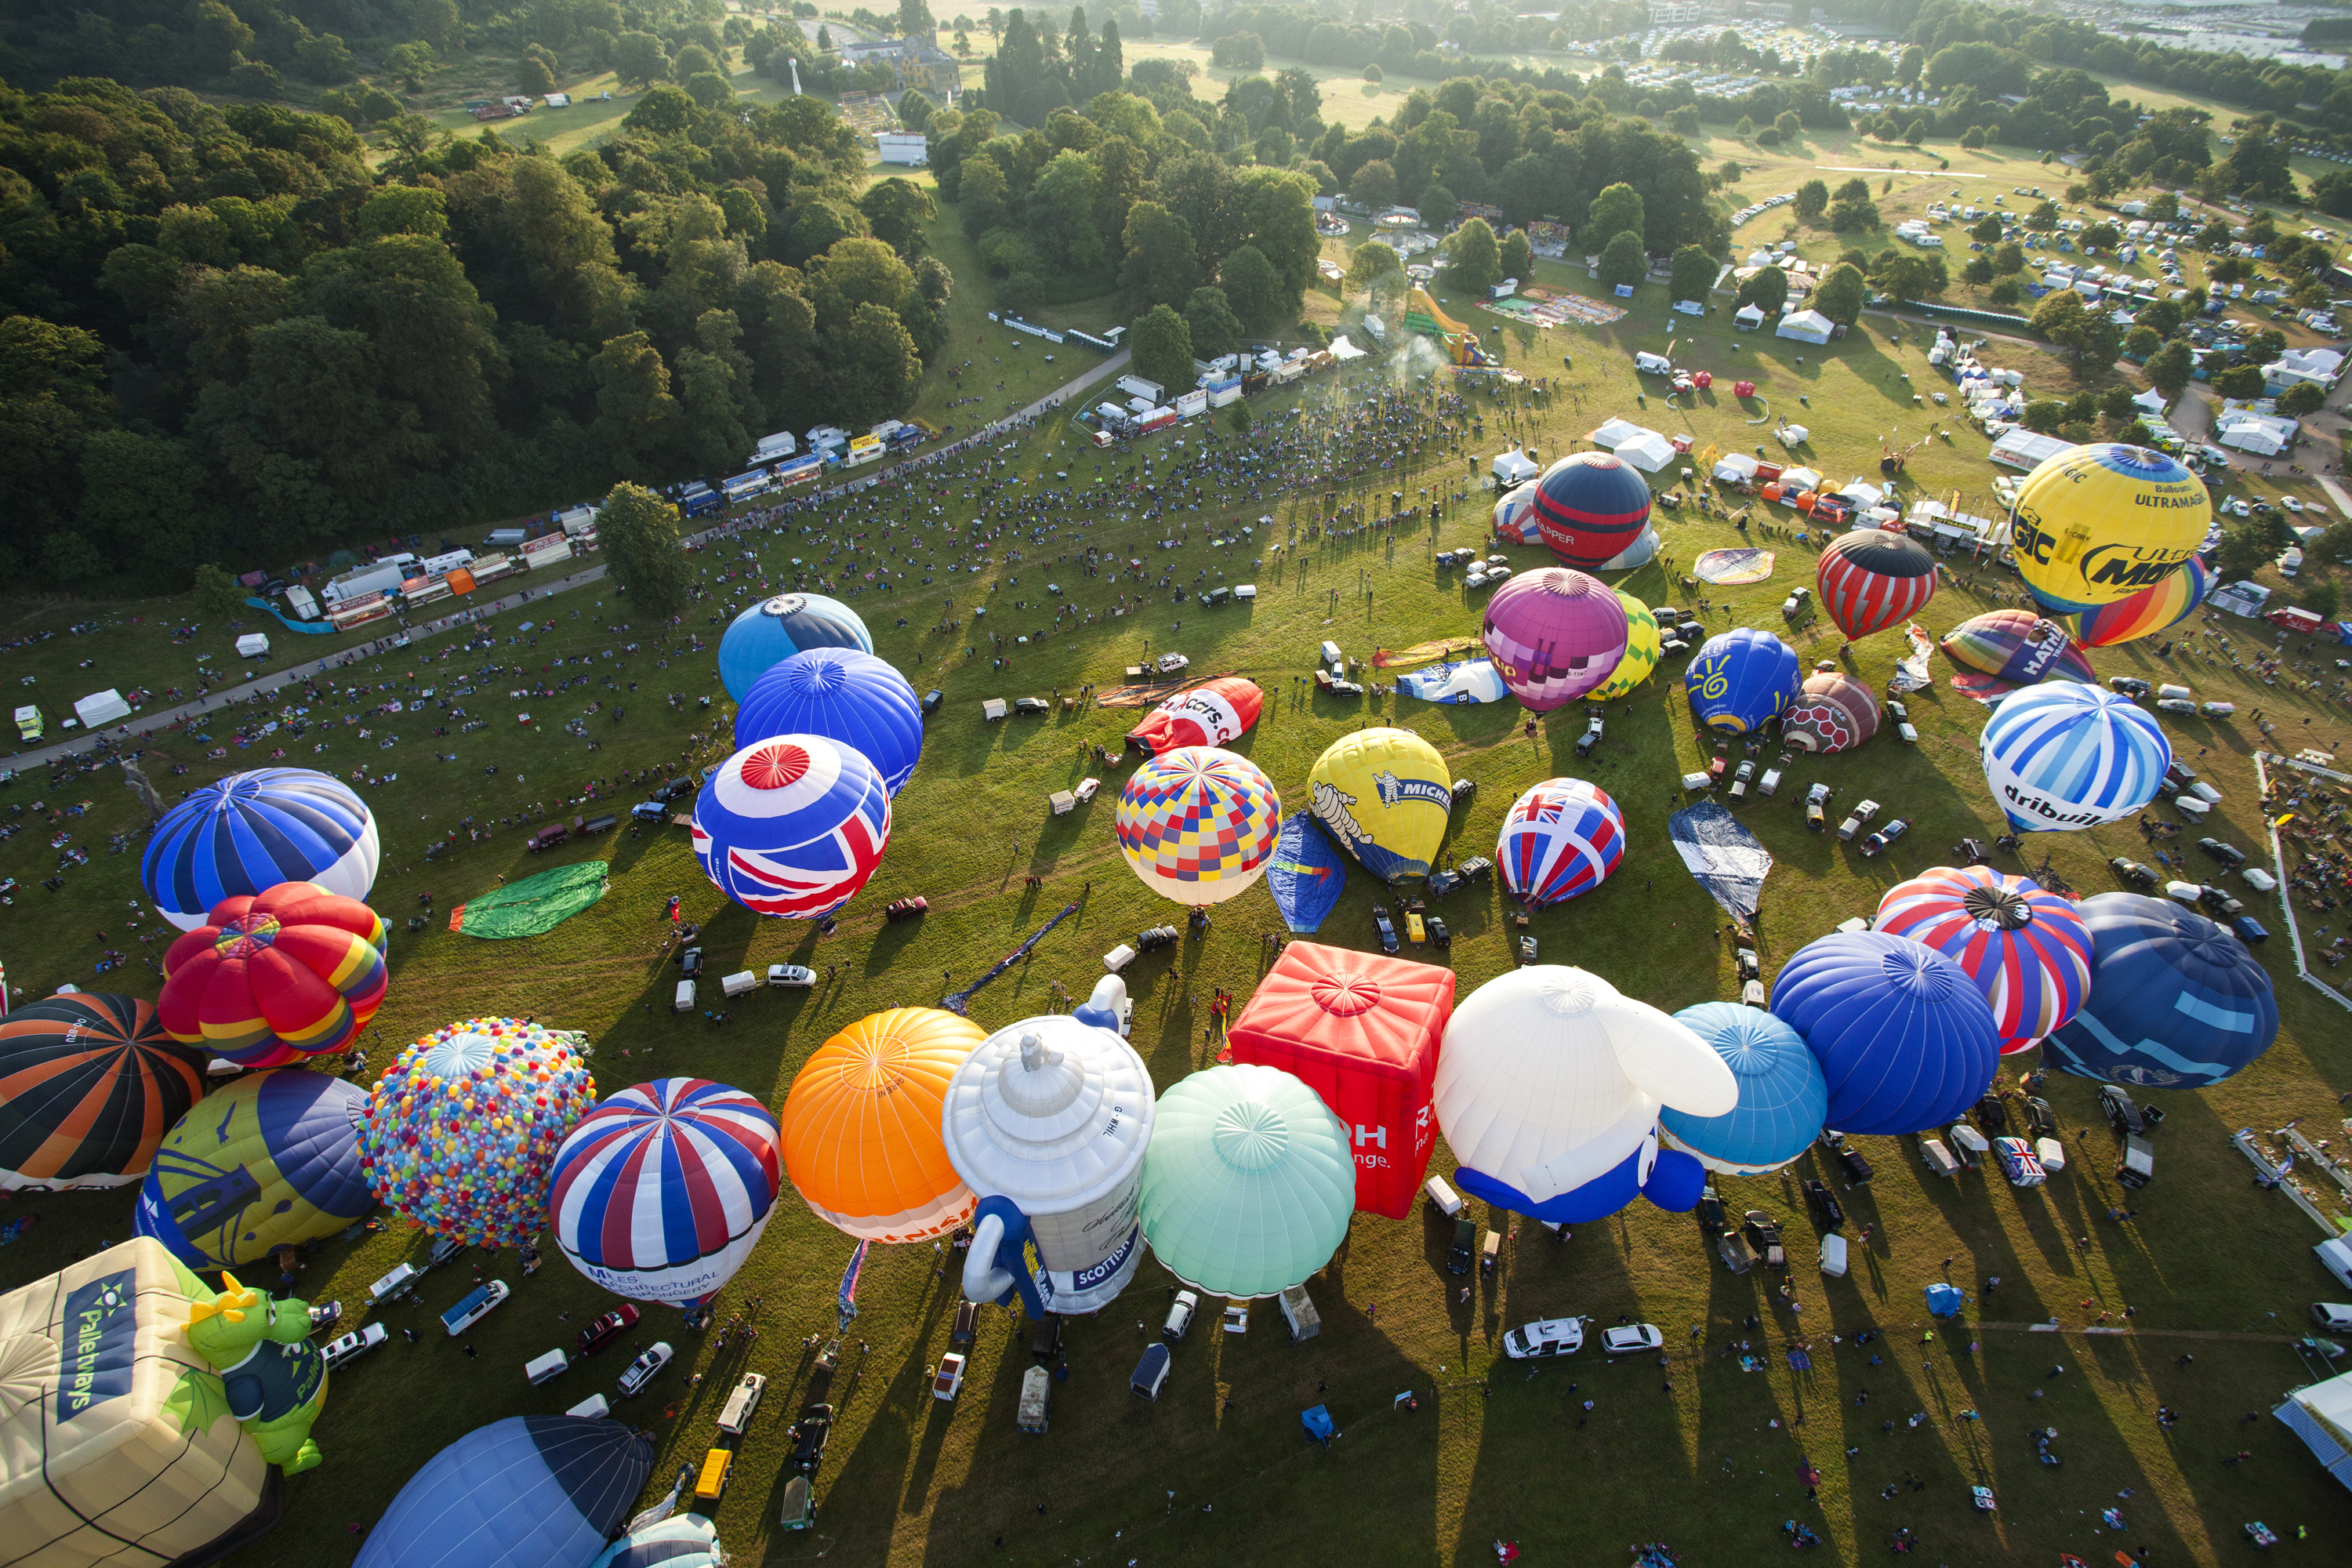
{"x": 1386, "y": 795}
{"x": 1642, "y": 649}
{"x": 2105, "y": 521}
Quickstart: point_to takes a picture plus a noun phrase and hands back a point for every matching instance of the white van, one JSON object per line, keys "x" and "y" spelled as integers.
{"x": 735, "y": 1417}
{"x": 550, "y": 1366}
{"x": 2335, "y": 1256}
{"x": 742, "y": 982}
{"x": 1447, "y": 1201}
{"x": 595, "y": 1407}
{"x": 1298, "y": 1312}
{"x": 684, "y": 1001}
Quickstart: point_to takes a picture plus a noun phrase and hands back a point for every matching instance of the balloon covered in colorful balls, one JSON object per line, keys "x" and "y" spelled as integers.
{"x": 461, "y": 1131}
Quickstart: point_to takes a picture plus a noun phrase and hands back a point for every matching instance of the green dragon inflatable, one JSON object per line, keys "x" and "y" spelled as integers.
{"x": 276, "y": 1378}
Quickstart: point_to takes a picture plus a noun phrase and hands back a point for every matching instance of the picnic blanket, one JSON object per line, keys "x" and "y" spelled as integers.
{"x": 1801, "y": 1361}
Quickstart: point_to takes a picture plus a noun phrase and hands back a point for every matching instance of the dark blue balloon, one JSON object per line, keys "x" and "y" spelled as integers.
{"x": 772, "y": 630}
{"x": 1741, "y": 678}
{"x": 843, "y": 695}
{"x": 1905, "y": 1038}
{"x": 2175, "y": 1002}
{"x": 1305, "y": 875}
{"x": 529, "y": 1492}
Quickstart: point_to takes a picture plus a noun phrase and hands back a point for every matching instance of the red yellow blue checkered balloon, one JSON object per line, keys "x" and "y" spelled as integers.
{"x": 1198, "y": 823}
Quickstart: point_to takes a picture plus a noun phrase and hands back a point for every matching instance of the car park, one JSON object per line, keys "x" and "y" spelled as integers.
{"x": 644, "y": 1369}
{"x": 1632, "y": 1339}
{"x": 1857, "y": 819}
{"x": 606, "y": 1329}
{"x": 1545, "y": 1338}
{"x": 352, "y": 1346}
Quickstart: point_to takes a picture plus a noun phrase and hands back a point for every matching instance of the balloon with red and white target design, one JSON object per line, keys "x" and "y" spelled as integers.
{"x": 2029, "y": 950}
{"x": 1560, "y": 839}
{"x": 793, "y": 824}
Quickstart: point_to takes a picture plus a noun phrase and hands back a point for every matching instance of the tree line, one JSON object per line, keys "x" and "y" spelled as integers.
{"x": 221, "y": 331}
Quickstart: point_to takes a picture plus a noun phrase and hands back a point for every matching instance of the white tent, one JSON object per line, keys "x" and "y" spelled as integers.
{"x": 1647, "y": 451}
{"x": 1736, "y": 467}
{"x": 252, "y": 645}
{"x": 2264, "y": 434}
{"x": 2321, "y": 1414}
{"x": 1515, "y": 467}
{"x": 101, "y": 707}
{"x": 1806, "y": 326}
{"x": 2149, "y": 402}
{"x": 1640, "y": 553}
{"x": 1862, "y": 494}
{"x": 1749, "y": 316}
{"x": 2028, "y": 450}
{"x": 1611, "y": 431}
{"x": 1795, "y": 479}
{"x": 1344, "y": 351}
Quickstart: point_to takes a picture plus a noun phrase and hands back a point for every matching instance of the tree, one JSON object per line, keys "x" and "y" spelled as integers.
{"x": 1163, "y": 346}
{"x": 639, "y": 60}
{"x": 1767, "y": 289}
{"x": 1850, "y": 213}
{"x": 1215, "y": 329}
{"x": 2303, "y": 397}
{"x": 875, "y": 364}
{"x": 1813, "y": 201}
{"x": 1237, "y": 418}
{"x": 436, "y": 22}
{"x": 1251, "y": 288}
{"x": 1615, "y": 210}
{"x": 1375, "y": 185}
{"x": 636, "y": 534}
{"x": 533, "y": 76}
{"x": 2140, "y": 342}
{"x": 1623, "y": 261}
{"x": 218, "y": 594}
{"x": 1372, "y": 264}
{"x": 2171, "y": 369}
{"x": 2004, "y": 291}
{"x": 1744, "y": 130}
{"x": 2320, "y": 596}
{"x": 2248, "y": 546}
{"x": 914, "y": 110}
{"x": 2243, "y": 382}
{"x": 1477, "y": 261}
{"x": 410, "y": 63}
{"x": 1694, "y": 274}
{"x": 1789, "y": 124}
{"x": 2090, "y": 338}
{"x": 1238, "y": 51}
{"x": 1518, "y": 255}
{"x": 896, "y": 208}
{"x": 1438, "y": 205}
{"x": 2007, "y": 257}
{"x": 637, "y": 417}
{"x": 1978, "y": 271}
{"x": 1840, "y": 294}
{"x": 915, "y": 20}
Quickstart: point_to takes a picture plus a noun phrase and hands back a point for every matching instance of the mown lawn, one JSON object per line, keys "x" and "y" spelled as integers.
{"x": 1491, "y": 1452}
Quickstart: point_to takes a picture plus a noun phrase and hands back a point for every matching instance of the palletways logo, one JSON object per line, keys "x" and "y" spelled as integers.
{"x": 101, "y": 1333}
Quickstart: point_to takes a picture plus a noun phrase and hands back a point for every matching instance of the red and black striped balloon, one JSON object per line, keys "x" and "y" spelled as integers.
{"x": 1589, "y": 507}
{"x": 1871, "y": 579}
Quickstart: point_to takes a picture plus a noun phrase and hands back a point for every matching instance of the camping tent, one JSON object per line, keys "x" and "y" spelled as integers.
{"x": 101, "y": 707}
{"x": 1806, "y": 326}
{"x": 2149, "y": 402}
{"x": 1647, "y": 451}
{"x": 1515, "y": 469}
{"x": 2028, "y": 450}
{"x": 1751, "y": 316}
{"x": 1737, "y": 468}
{"x": 2321, "y": 1414}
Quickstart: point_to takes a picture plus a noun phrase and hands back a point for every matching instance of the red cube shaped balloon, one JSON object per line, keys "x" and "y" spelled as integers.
{"x": 1743, "y": 389}
{"x": 1361, "y": 1030}
{"x": 1703, "y": 378}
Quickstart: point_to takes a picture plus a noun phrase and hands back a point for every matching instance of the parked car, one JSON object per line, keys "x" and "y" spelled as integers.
{"x": 1763, "y": 1234}
{"x": 948, "y": 1381}
{"x": 791, "y": 977}
{"x": 1710, "y": 1210}
{"x": 1817, "y": 807}
{"x": 808, "y": 1436}
{"x": 2122, "y": 1111}
{"x": 1828, "y": 1213}
{"x": 689, "y": 964}
{"x": 352, "y": 1346}
{"x": 1438, "y": 935}
{"x": 1458, "y": 1255}
{"x": 605, "y": 824}
{"x": 644, "y": 1369}
{"x": 2040, "y": 1116}
{"x": 1877, "y": 842}
{"x": 674, "y": 790}
{"x": 2130, "y": 686}
{"x": 2132, "y": 871}
{"x": 905, "y": 908}
{"x": 2336, "y": 1317}
{"x": 931, "y": 701}
{"x": 2228, "y": 854}
{"x": 607, "y": 1329}
{"x": 1180, "y": 1315}
{"x": 1032, "y": 707}
{"x": 1543, "y": 1338}
{"x": 1632, "y": 1339}
{"x": 1857, "y": 819}
{"x": 1384, "y": 927}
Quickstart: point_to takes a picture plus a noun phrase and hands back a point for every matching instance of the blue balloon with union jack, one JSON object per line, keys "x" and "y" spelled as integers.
{"x": 793, "y": 824}
{"x": 1563, "y": 837}
{"x": 2028, "y": 949}
{"x": 661, "y": 1192}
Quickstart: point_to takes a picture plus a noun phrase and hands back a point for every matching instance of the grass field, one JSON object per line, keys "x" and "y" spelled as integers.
{"x": 1491, "y": 1452}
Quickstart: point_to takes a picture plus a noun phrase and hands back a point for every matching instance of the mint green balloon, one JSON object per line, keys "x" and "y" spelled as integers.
{"x": 1249, "y": 1182}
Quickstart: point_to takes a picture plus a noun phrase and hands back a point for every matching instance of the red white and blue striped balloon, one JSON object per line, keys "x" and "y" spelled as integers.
{"x": 2027, "y": 948}
{"x": 794, "y": 825}
{"x": 1560, "y": 839}
{"x": 2062, "y": 756}
{"x": 661, "y": 1192}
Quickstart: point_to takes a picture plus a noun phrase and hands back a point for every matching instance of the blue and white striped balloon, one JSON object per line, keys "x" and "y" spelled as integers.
{"x": 845, "y": 695}
{"x": 252, "y": 831}
{"x": 1560, "y": 839}
{"x": 2063, "y": 756}
{"x": 772, "y": 630}
{"x": 793, "y": 824}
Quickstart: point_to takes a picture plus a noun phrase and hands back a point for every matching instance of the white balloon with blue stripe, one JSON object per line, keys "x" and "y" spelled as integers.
{"x": 2063, "y": 756}
{"x": 252, "y": 831}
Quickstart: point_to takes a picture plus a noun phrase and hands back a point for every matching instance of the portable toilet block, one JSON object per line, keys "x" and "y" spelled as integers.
{"x": 1048, "y": 1122}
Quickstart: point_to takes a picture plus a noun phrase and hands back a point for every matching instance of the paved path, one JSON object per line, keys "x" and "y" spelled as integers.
{"x": 153, "y": 720}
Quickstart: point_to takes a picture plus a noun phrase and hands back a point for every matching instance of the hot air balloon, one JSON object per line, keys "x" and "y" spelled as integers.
{"x": 2104, "y": 522}
{"x": 1198, "y": 825}
{"x": 1740, "y": 679}
{"x": 1782, "y": 1095}
{"x": 1561, "y": 837}
{"x": 1644, "y": 645}
{"x": 1249, "y": 1184}
{"x": 1305, "y": 874}
{"x": 252, "y": 831}
{"x": 1362, "y": 1031}
{"x": 1833, "y": 712}
{"x": 1589, "y": 505}
{"x": 861, "y": 1125}
{"x": 461, "y": 1130}
{"x": 1555, "y": 634}
{"x": 1046, "y": 1122}
{"x": 1386, "y": 796}
{"x": 661, "y": 1192}
{"x": 1871, "y": 579}
{"x": 793, "y": 824}
{"x": 277, "y": 976}
{"x": 1215, "y": 714}
{"x": 2156, "y": 608}
{"x": 2175, "y": 1002}
{"x": 89, "y": 1083}
{"x": 772, "y": 630}
{"x": 843, "y": 695}
{"x": 1548, "y": 1088}
{"x": 2001, "y": 651}
{"x": 529, "y": 1492}
{"x": 271, "y": 1161}
{"x": 1640, "y": 553}
{"x": 119, "y": 1447}
{"x": 2026, "y": 948}
{"x": 681, "y": 1541}
{"x": 1905, "y": 1038}
{"x": 2063, "y": 756}
{"x": 1515, "y": 515}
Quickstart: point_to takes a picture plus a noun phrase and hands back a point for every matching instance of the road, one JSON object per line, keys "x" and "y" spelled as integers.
{"x": 151, "y": 720}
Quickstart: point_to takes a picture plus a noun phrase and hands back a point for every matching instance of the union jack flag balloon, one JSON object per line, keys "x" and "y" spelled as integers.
{"x": 1563, "y": 837}
{"x": 2028, "y": 949}
{"x": 793, "y": 824}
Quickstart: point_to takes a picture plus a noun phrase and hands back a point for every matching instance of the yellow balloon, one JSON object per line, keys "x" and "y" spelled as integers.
{"x": 2105, "y": 521}
{"x": 1385, "y": 795}
{"x": 1642, "y": 650}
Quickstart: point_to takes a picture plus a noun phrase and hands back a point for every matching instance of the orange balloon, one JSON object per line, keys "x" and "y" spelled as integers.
{"x": 861, "y": 1126}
